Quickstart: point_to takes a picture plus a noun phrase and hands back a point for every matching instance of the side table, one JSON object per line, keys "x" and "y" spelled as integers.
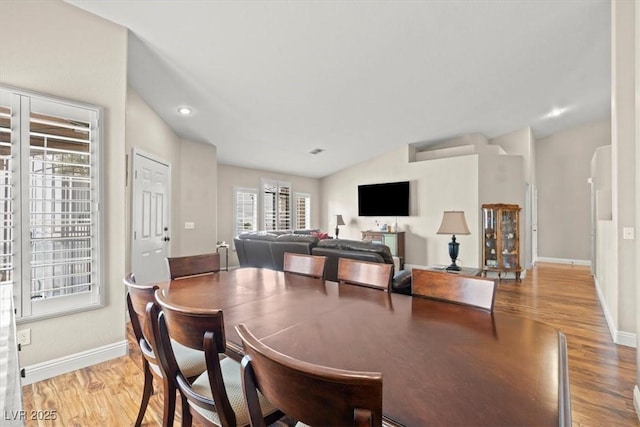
{"x": 226, "y": 254}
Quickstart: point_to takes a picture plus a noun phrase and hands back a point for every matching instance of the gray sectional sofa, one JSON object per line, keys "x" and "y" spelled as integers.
{"x": 266, "y": 250}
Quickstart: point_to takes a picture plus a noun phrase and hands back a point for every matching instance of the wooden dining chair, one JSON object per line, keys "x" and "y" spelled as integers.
{"x": 307, "y": 265}
{"x": 452, "y": 287}
{"x": 364, "y": 273}
{"x": 191, "y": 361}
{"x": 194, "y": 264}
{"x": 312, "y": 394}
{"x": 215, "y": 397}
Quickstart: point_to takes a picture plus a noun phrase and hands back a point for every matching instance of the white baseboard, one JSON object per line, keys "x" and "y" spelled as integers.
{"x": 627, "y": 339}
{"x": 584, "y": 262}
{"x": 636, "y": 400}
{"x": 62, "y": 365}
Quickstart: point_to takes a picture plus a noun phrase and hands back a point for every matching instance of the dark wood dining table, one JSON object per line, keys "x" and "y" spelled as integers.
{"x": 442, "y": 363}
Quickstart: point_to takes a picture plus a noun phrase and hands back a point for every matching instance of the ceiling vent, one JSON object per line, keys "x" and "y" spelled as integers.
{"x": 316, "y": 151}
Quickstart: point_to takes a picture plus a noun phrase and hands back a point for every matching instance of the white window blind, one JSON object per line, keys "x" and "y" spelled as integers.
{"x": 6, "y": 198}
{"x": 51, "y": 221}
{"x": 303, "y": 210}
{"x": 246, "y": 210}
{"x": 276, "y": 208}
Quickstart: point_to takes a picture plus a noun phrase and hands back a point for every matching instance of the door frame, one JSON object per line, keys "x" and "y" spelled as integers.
{"x": 135, "y": 154}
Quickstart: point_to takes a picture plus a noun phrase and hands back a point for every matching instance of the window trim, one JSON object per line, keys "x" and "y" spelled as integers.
{"x": 20, "y": 131}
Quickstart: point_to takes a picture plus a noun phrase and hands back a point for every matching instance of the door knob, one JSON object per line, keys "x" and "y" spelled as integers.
{"x": 166, "y": 239}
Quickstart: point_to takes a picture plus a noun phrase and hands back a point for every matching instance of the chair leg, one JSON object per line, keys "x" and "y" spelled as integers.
{"x": 146, "y": 393}
{"x": 169, "y": 403}
{"x": 187, "y": 418}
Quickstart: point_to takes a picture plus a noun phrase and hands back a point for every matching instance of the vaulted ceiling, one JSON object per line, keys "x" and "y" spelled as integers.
{"x": 270, "y": 81}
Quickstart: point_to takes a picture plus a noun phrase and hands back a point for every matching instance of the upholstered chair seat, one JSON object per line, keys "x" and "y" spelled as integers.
{"x": 233, "y": 384}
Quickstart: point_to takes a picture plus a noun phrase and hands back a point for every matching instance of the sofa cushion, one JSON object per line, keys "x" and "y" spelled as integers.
{"x": 358, "y": 245}
{"x": 298, "y": 238}
{"x": 401, "y": 282}
{"x": 293, "y": 243}
{"x": 253, "y": 235}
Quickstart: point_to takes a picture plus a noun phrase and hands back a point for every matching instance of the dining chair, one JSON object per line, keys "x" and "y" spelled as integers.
{"x": 452, "y": 287}
{"x": 311, "y": 394}
{"x": 364, "y": 273}
{"x": 215, "y": 397}
{"x": 191, "y": 361}
{"x": 307, "y": 265}
{"x": 194, "y": 264}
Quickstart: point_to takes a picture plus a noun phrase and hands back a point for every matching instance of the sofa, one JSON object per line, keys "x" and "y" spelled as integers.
{"x": 266, "y": 250}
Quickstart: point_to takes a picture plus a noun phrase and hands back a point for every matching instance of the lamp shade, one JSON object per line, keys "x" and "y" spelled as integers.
{"x": 453, "y": 222}
{"x": 339, "y": 220}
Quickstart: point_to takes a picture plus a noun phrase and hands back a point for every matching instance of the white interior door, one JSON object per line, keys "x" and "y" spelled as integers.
{"x": 150, "y": 218}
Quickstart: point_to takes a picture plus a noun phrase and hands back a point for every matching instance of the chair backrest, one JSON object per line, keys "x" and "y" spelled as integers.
{"x": 452, "y": 287}
{"x": 138, "y": 296}
{"x": 200, "y": 329}
{"x": 364, "y": 273}
{"x": 315, "y": 395}
{"x": 193, "y": 264}
{"x": 308, "y": 265}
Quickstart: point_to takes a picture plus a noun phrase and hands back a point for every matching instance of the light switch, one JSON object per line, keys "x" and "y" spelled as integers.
{"x": 628, "y": 233}
{"x": 189, "y": 225}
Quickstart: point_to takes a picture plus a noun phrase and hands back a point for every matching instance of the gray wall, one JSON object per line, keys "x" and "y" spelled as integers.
{"x": 563, "y": 163}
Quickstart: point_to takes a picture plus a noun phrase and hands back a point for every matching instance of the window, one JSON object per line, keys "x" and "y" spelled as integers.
{"x": 303, "y": 210}
{"x": 49, "y": 184}
{"x": 276, "y": 209}
{"x": 246, "y": 214}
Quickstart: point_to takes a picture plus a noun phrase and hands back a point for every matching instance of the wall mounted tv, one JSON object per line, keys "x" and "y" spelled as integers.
{"x": 388, "y": 199}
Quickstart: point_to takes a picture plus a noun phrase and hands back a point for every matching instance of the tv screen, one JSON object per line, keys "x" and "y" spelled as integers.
{"x": 388, "y": 199}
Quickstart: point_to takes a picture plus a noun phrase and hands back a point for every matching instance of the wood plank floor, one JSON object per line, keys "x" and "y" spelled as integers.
{"x": 601, "y": 374}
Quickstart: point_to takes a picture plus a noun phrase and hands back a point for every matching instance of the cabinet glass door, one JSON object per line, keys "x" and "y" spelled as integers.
{"x": 508, "y": 224}
{"x": 490, "y": 226}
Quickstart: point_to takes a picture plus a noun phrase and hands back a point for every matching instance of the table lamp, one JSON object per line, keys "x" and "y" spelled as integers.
{"x": 453, "y": 222}
{"x": 339, "y": 221}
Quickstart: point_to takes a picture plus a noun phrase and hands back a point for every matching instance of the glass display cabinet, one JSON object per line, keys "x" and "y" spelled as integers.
{"x": 501, "y": 239}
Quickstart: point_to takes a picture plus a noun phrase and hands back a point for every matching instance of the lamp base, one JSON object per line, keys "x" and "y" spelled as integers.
{"x": 337, "y": 231}
{"x": 453, "y": 267}
{"x": 453, "y": 254}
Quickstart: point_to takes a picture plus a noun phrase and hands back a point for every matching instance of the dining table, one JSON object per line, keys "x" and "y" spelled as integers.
{"x": 441, "y": 363}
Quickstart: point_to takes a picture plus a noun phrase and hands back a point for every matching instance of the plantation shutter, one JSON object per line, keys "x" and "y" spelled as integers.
{"x": 276, "y": 209}
{"x": 303, "y": 211}
{"x": 49, "y": 184}
{"x": 246, "y": 215}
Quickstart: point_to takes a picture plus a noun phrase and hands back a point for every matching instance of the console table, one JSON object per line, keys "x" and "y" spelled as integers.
{"x": 393, "y": 239}
{"x": 464, "y": 271}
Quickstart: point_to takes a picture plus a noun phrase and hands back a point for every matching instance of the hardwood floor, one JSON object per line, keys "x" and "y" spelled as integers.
{"x": 601, "y": 374}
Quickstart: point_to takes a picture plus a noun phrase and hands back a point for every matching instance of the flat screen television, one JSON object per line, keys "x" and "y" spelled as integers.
{"x": 388, "y": 199}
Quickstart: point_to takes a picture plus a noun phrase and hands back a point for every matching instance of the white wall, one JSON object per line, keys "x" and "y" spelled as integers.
{"x": 564, "y": 194}
{"x": 197, "y": 199}
{"x": 435, "y": 186}
{"x": 194, "y": 177}
{"x": 145, "y": 131}
{"x": 521, "y": 143}
{"x": 90, "y": 68}
{"x": 623, "y": 154}
{"x": 232, "y": 176}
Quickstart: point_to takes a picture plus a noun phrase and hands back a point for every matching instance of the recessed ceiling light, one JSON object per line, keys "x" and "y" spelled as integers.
{"x": 555, "y": 112}
{"x": 185, "y": 111}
